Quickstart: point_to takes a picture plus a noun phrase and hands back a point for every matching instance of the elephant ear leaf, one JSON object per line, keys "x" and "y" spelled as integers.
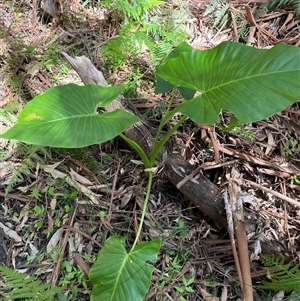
{"x": 70, "y": 116}
{"x": 163, "y": 86}
{"x": 119, "y": 275}
{"x": 251, "y": 83}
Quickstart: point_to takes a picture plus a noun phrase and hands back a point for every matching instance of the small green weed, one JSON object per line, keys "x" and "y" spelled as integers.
{"x": 219, "y": 9}
{"x": 243, "y": 132}
{"x": 17, "y": 286}
{"x": 282, "y": 276}
{"x": 180, "y": 229}
{"x": 74, "y": 278}
{"x": 277, "y": 4}
{"x": 170, "y": 272}
{"x": 147, "y": 27}
{"x": 290, "y": 148}
{"x": 186, "y": 288}
{"x": 294, "y": 180}
{"x": 30, "y": 155}
{"x": 51, "y": 58}
{"x": 35, "y": 193}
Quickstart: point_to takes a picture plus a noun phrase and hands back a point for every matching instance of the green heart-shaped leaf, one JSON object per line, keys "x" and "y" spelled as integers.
{"x": 252, "y": 83}
{"x": 118, "y": 275}
{"x": 68, "y": 117}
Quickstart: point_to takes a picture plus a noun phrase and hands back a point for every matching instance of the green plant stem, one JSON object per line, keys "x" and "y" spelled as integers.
{"x": 149, "y": 186}
{"x": 160, "y": 145}
{"x": 165, "y": 119}
{"x": 138, "y": 149}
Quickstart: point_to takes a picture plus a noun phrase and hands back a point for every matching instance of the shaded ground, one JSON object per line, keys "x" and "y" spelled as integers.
{"x": 38, "y": 205}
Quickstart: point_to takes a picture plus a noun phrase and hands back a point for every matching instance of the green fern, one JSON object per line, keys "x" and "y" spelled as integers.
{"x": 283, "y": 277}
{"x": 295, "y": 4}
{"x": 220, "y": 10}
{"x": 159, "y": 32}
{"x": 133, "y": 9}
{"x": 294, "y": 297}
{"x": 15, "y": 286}
{"x": 30, "y": 154}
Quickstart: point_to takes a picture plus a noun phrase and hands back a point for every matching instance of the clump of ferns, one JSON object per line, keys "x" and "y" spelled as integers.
{"x": 18, "y": 286}
{"x": 282, "y": 276}
{"x": 30, "y": 155}
{"x": 294, "y": 4}
{"x": 148, "y": 27}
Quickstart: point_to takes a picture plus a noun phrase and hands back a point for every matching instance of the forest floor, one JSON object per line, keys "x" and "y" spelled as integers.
{"x": 43, "y": 210}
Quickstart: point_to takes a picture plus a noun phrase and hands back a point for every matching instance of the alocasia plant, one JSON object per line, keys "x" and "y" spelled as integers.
{"x": 251, "y": 83}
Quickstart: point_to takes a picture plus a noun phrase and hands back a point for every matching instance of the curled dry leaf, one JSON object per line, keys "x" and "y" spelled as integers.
{"x": 126, "y": 198}
{"x": 11, "y": 233}
{"x": 207, "y": 296}
{"x": 54, "y": 240}
{"x": 56, "y": 174}
{"x": 80, "y": 179}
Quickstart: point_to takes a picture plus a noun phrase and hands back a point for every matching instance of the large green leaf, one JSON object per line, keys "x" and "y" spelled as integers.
{"x": 118, "y": 275}
{"x": 67, "y": 116}
{"x": 252, "y": 83}
{"x": 163, "y": 86}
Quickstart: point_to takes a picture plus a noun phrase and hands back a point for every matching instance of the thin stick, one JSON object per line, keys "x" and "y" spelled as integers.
{"x": 275, "y": 193}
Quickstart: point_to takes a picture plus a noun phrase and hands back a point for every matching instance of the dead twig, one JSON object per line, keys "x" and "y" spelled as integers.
{"x": 83, "y": 234}
{"x": 275, "y": 193}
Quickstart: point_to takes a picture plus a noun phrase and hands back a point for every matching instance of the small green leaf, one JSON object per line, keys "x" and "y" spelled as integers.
{"x": 191, "y": 281}
{"x": 189, "y": 289}
{"x": 251, "y": 83}
{"x": 67, "y": 116}
{"x": 184, "y": 281}
{"x": 118, "y": 275}
{"x": 179, "y": 289}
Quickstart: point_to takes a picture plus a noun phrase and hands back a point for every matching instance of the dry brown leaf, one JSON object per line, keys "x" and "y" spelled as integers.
{"x": 11, "y": 233}
{"x": 80, "y": 179}
{"x": 51, "y": 7}
{"x": 207, "y": 296}
{"x": 126, "y": 198}
{"x": 54, "y": 240}
{"x": 56, "y": 174}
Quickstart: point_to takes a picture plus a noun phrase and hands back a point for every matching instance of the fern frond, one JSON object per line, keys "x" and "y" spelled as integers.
{"x": 284, "y": 277}
{"x": 160, "y": 32}
{"x": 295, "y": 4}
{"x": 220, "y": 10}
{"x": 133, "y": 10}
{"x": 294, "y": 297}
{"x": 30, "y": 154}
{"x": 16, "y": 286}
{"x": 222, "y": 16}
{"x": 212, "y": 7}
